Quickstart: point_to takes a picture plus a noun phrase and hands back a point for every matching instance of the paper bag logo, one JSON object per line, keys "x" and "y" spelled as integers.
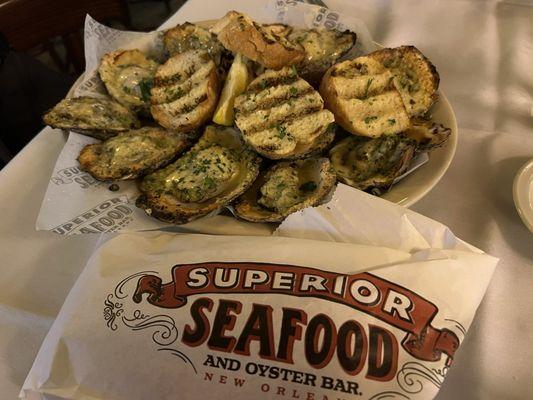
{"x": 108, "y": 216}
{"x": 354, "y": 346}
{"x": 69, "y": 175}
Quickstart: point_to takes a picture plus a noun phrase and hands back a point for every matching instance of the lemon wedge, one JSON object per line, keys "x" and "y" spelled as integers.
{"x": 238, "y": 78}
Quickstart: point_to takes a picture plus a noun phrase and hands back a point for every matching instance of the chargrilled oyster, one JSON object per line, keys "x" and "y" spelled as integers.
{"x": 322, "y": 49}
{"x": 128, "y": 76}
{"x": 240, "y": 34}
{"x": 210, "y": 175}
{"x": 187, "y": 36}
{"x": 282, "y": 117}
{"x": 368, "y": 164}
{"x": 132, "y": 154}
{"x": 427, "y": 134}
{"x": 96, "y": 117}
{"x": 185, "y": 91}
{"x": 377, "y": 94}
{"x": 286, "y": 188}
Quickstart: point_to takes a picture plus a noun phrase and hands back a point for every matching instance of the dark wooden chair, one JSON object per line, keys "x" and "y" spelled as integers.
{"x": 30, "y": 23}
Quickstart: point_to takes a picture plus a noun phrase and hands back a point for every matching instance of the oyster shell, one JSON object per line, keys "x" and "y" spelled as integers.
{"x": 128, "y": 76}
{"x": 369, "y": 164}
{"x": 210, "y": 175}
{"x": 428, "y": 134}
{"x": 282, "y": 117}
{"x": 187, "y": 36}
{"x": 286, "y": 188}
{"x": 322, "y": 49}
{"x": 132, "y": 154}
{"x": 97, "y": 117}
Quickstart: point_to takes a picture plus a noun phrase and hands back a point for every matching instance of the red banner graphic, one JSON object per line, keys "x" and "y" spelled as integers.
{"x": 384, "y": 300}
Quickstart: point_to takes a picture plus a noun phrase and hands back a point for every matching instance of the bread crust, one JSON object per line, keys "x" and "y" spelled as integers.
{"x": 239, "y": 34}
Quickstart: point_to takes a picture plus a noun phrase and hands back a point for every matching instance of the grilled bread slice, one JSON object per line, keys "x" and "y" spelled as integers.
{"x": 415, "y": 77}
{"x": 240, "y": 34}
{"x": 185, "y": 91}
{"x": 362, "y": 95}
{"x": 282, "y": 117}
{"x": 377, "y": 94}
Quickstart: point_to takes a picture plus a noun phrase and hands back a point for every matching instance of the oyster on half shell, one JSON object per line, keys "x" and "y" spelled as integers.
{"x": 128, "y": 76}
{"x": 428, "y": 134}
{"x": 132, "y": 154}
{"x": 97, "y": 117}
{"x": 286, "y": 188}
{"x": 368, "y": 164}
{"x": 210, "y": 175}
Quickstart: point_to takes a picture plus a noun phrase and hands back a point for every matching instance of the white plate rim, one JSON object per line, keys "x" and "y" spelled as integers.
{"x": 521, "y": 184}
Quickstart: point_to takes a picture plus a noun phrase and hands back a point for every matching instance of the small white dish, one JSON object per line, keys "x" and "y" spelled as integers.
{"x": 523, "y": 193}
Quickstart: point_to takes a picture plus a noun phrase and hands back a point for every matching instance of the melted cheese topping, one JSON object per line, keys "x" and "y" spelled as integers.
{"x": 282, "y": 189}
{"x": 204, "y": 174}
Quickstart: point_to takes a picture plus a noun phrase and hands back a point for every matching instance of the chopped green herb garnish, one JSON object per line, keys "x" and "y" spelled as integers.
{"x": 368, "y": 83}
{"x": 293, "y": 90}
{"x": 282, "y": 131}
{"x": 308, "y": 187}
{"x": 392, "y": 121}
{"x": 145, "y": 86}
{"x": 209, "y": 182}
{"x": 370, "y": 119}
{"x": 294, "y": 72}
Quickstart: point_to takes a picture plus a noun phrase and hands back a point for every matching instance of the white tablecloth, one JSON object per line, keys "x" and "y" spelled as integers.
{"x": 484, "y": 53}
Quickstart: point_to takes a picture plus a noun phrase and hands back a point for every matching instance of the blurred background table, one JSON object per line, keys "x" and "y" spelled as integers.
{"x": 484, "y": 53}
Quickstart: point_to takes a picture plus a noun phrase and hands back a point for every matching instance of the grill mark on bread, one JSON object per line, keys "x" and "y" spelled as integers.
{"x": 284, "y": 119}
{"x": 270, "y": 82}
{"x": 167, "y": 94}
{"x": 187, "y": 108}
{"x": 273, "y": 101}
{"x": 185, "y": 92}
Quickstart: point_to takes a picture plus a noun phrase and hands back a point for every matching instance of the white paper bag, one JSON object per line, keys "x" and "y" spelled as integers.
{"x": 376, "y": 309}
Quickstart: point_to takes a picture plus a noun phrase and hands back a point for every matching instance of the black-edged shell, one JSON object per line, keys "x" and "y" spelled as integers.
{"x": 368, "y": 164}
{"x": 209, "y": 176}
{"x": 132, "y": 154}
{"x": 285, "y": 188}
{"x": 97, "y": 117}
{"x": 128, "y": 76}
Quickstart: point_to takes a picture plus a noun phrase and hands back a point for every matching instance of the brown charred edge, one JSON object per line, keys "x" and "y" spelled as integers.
{"x": 269, "y": 124}
{"x": 402, "y": 50}
{"x": 277, "y": 39}
{"x": 275, "y": 101}
{"x": 287, "y": 29}
{"x": 243, "y": 206}
{"x": 321, "y": 144}
{"x": 269, "y": 83}
{"x": 156, "y": 208}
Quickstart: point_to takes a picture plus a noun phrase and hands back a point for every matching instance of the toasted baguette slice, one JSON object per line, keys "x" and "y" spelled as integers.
{"x": 185, "y": 91}
{"x": 240, "y": 34}
{"x": 282, "y": 117}
{"x": 362, "y": 95}
{"x": 415, "y": 77}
